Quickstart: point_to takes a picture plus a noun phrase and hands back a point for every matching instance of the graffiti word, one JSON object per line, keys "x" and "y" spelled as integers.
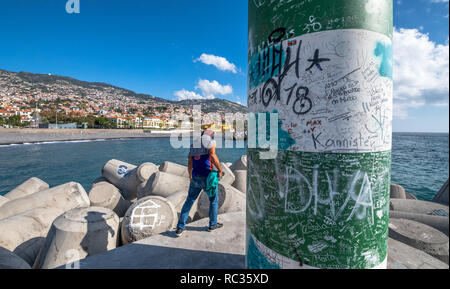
{"x": 122, "y": 171}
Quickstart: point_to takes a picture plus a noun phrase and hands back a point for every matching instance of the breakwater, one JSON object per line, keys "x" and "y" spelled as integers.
{"x": 28, "y": 136}
{"x": 127, "y": 220}
{"x": 47, "y": 227}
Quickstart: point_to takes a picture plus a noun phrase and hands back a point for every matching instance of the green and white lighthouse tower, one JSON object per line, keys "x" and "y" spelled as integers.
{"x": 325, "y": 66}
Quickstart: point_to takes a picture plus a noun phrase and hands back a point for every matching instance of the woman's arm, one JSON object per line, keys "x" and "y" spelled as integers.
{"x": 215, "y": 159}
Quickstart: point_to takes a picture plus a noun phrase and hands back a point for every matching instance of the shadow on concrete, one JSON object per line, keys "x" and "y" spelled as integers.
{"x": 29, "y": 250}
{"x": 142, "y": 256}
{"x": 96, "y": 240}
{"x": 172, "y": 233}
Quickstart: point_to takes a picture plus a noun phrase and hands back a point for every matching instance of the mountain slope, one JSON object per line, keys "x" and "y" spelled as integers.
{"x": 26, "y": 84}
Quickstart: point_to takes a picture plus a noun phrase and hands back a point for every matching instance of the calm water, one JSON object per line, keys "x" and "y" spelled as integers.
{"x": 420, "y": 162}
{"x": 82, "y": 162}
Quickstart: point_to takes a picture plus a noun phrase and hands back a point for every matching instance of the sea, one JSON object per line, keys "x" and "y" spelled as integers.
{"x": 420, "y": 161}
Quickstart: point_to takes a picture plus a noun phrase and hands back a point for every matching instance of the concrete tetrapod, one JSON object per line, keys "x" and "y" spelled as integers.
{"x": 226, "y": 194}
{"x": 64, "y": 197}
{"x": 174, "y": 169}
{"x": 419, "y": 207}
{"x": 148, "y": 216}
{"x": 106, "y": 195}
{"x": 177, "y": 199}
{"x": 24, "y": 234}
{"x": 420, "y": 236}
{"x": 240, "y": 181}
{"x": 29, "y": 187}
{"x": 402, "y": 256}
{"x": 9, "y": 260}
{"x": 238, "y": 202}
{"x": 240, "y": 164}
{"x": 397, "y": 192}
{"x": 228, "y": 176}
{"x": 163, "y": 184}
{"x": 146, "y": 170}
{"x": 196, "y": 249}
{"x": 437, "y": 222}
{"x": 410, "y": 196}
{"x": 141, "y": 190}
{"x": 77, "y": 234}
{"x": 3, "y": 201}
{"x": 123, "y": 176}
{"x": 99, "y": 180}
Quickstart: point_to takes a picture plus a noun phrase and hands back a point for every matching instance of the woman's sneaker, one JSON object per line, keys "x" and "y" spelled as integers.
{"x": 179, "y": 232}
{"x": 217, "y": 226}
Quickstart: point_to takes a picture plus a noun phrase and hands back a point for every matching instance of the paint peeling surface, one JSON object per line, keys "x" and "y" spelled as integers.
{"x": 331, "y": 95}
{"x": 321, "y": 210}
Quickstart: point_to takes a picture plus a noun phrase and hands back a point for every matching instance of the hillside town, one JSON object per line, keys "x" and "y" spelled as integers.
{"x": 46, "y": 101}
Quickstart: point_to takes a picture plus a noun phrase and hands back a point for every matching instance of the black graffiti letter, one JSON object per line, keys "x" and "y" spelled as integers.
{"x": 316, "y": 61}
{"x": 302, "y": 104}
{"x": 269, "y": 91}
{"x": 277, "y": 53}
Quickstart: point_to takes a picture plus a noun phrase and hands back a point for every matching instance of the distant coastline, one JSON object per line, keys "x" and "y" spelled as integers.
{"x": 33, "y": 136}
{"x": 38, "y": 136}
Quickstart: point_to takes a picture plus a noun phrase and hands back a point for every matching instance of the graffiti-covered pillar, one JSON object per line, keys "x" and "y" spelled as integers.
{"x": 325, "y": 66}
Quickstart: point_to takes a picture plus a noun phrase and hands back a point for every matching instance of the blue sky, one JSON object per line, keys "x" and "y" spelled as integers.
{"x": 153, "y": 46}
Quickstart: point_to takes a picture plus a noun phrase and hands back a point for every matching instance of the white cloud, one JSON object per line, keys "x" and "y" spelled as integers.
{"x": 220, "y": 63}
{"x": 421, "y": 71}
{"x": 185, "y": 94}
{"x": 439, "y": 1}
{"x": 210, "y": 89}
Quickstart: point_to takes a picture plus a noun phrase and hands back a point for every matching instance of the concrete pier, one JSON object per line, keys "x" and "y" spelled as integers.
{"x": 123, "y": 176}
{"x": 29, "y": 187}
{"x": 163, "y": 184}
{"x": 174, "y": 169}
{"x": 320, "y": 81}
{"x": 402, "y": 256}
{"x": 106, "y": 195}
{"x": 77, "y": 234}
{"x": 147, "y": 217}
{"x": 65, "y": 197}
{"x": 196, "y": 249}
{"x": 420, "y": 236}
{"x": 9, "y": 260}
{"x": 24, "y": 234}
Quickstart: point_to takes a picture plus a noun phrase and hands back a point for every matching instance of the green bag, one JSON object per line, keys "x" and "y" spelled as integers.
{"x": 211, "y": 183}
